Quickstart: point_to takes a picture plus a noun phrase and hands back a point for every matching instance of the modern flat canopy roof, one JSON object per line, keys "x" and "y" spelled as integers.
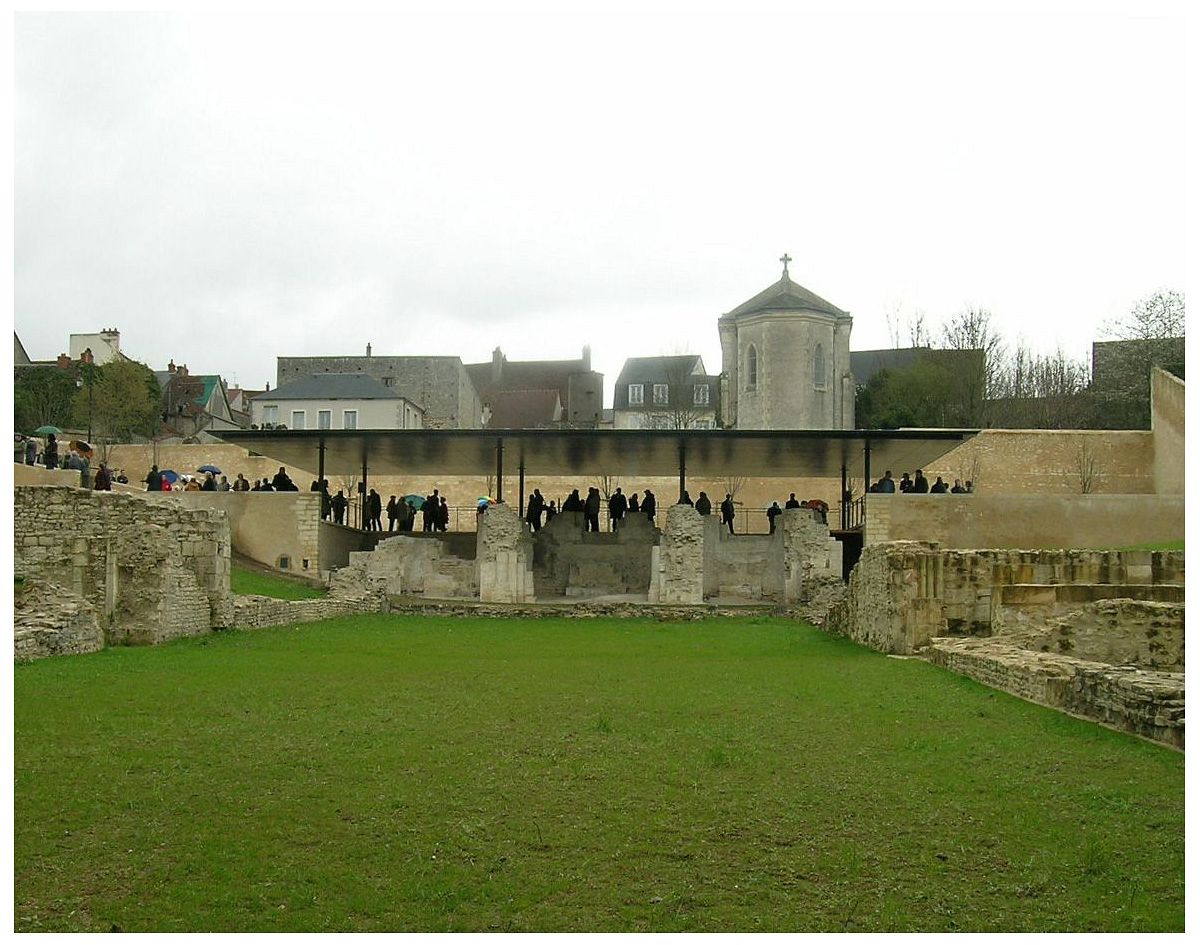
{"x": 703, "y": 453}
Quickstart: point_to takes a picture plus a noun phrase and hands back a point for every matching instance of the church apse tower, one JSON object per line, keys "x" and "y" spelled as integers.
{"x": 786, "y": 356}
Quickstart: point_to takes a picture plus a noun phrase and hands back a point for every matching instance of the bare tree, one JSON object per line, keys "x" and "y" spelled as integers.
{"x": 681, "y": 410}
{"x": 607, "y": 486}
{"x": 1087, "y": 468}
{"x": 732, "y": 484}
{"x": 1151, "y": 335}
{"x": 971, "y": 329}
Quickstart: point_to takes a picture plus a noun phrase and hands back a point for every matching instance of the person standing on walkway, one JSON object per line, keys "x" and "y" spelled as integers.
{"x": 648, "y": 505}
{"x": 591, "y": 510}
{"x": 50, "y": 454}
{"x": 727, "y": 512}
{"x": 772, "y": 513}
{"x": 339, "y": 503}
{"x": 617, "y": 505}
{"x": 703, "y": 504}
{"x": 393, "y": 512}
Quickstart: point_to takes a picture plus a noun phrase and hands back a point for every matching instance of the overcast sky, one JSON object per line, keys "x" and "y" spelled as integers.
{"x": 227, "y": 189}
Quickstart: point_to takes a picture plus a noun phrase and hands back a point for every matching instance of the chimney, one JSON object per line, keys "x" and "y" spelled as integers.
{"x": 87, "y": 357}
{"x": 587, "y": 357}
{"x": 171, "y": 366}
{"x": 63, "y": 361}
{"x": 368, "y": 349}
{"x": 497, "y": 365}
{"x": 268, "y": 385}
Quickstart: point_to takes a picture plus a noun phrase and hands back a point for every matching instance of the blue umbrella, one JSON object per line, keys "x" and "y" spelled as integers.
{"x": 209, "y": 467}
{"x": 170, "y": 475}
{"x": 416, "y": 501}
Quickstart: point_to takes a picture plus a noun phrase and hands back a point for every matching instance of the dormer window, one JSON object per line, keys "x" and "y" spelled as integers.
{"x": 636, "y": 395}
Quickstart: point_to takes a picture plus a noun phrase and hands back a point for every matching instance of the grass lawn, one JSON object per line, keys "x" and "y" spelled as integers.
{"x": 1157, "y": 546}
{"x": 422, "y": 773}
{"x": 245, "y": 581}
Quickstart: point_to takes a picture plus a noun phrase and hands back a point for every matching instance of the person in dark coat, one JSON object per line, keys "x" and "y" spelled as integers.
{"x": 282, "y": 482}
{"x": 920, "y": 483}
{"x": 325, "y": 500}
{"x": 648, "y": 505}
{"x": 906, "y": 483}
{"x": 153, "y": 479}
{"x": 772, "y": 513}
{"x": 591, "y": 511}
{"x": 429, "y": 512}
{"x": 551, "y": 511}
{"x": 685, "y": 499}
{"x": 210, "y": 483}
{"x": 533, "y": 510}
{"x": 30, "y": 451}
{"x": 409, "y": 512}
{"x": 791, "y": 503}
{"x": 573, "y": 502}
{"x": 957, "y": 488}
{"x": 633, "y": 503}
{"x": 939, "y": 486}
{"x": 703, "y": 505}
{"x": 50, "y": 454}
{"x": 443, "y": 516}
{"x": 339, "y": 503}
{"x": 103, "y": 479}
{"x": 887, "y": 483}
{"x": 617, "y": 506}
{"x": 375, "y": 507}
{"x": 727, "y": 512}
{"x": 393, "y": 511}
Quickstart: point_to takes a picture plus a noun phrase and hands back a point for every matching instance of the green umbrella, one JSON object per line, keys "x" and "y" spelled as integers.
{"x": 48, "y": 429}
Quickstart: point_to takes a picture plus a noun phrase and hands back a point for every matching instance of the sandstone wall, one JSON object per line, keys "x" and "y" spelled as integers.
{"x": 903, "y": 594}
{"x": 408, "y": 565}
{"x": 504, "y": 557}
{"x": 569, "y": 562}
{"x": 151, "y": 571}
{"x": 49, "y": 620}
{"x": 1046, "y": 462}
{"x": 1011, "y": 521}
{"x": 252, "y": 611}
{"x": 1144, "y": 702}
{"x": 264, "y": 526}
{"x": 677, "y": 561}
{"x": 1167, "y": 430}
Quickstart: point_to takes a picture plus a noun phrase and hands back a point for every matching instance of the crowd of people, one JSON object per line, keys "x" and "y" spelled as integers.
{"x": 919, "y": 484}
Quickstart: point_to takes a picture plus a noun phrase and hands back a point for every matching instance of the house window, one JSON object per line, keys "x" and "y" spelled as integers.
{"x": 658, "y": 421}
{"x": 635, "y": 394}
{"x": 700, "y": 395}
{"x": 349, "y": 419}
{"x": 702, "y": 424}
{"x": 270, "y": 413}
{"x": 297, "y": 419}
{"x": 324, "y": 419}
{"x": 752, "y": 368}
{"x": 660, "y": 394}
{"x": 819, "y": 368}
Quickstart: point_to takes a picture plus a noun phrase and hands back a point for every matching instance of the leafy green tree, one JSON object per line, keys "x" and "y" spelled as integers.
{"x": 121, "y": 399}
{"x": 43, "y": 396}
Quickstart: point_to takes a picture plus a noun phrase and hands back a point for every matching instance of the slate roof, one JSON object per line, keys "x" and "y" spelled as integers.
{"x": 525, "y": 410}
{"x": 667, "y": 369}
{"x": 350, "y": 386}
{"x": 524, "y": 376}
{"x": 785, "y": 296}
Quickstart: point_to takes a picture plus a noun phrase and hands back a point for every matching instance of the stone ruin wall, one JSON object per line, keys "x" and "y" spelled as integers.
{"x": 150, "y": 572}
{"x": 569, "y": 562}
{"x": 504, "y": 557}
{"x": 677, "y": 561}
{"x": 1118, "y": 661}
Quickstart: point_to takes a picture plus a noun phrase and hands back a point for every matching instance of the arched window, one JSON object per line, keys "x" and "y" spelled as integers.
{"x": 752, "y": 368}
{"x": 819, "y": 367}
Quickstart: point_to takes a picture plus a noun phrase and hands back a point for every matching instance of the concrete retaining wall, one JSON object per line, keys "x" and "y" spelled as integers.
{"x": 1011, "y": 521}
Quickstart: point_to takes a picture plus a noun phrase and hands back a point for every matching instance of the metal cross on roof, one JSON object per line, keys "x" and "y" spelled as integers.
{"x": 785, "y": 259}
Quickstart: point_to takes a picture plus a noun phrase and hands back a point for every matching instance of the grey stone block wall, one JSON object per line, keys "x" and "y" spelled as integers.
{"x": 150, "y": 571}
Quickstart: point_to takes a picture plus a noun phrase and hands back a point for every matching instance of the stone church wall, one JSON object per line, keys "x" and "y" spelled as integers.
{"x": 150, "y": 571}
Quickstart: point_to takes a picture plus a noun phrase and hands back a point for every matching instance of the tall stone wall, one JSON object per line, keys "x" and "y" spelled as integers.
{"x": 903, "y": 594}
{"x": 677, "y": 562}
{"x": 1024, "y": 521}
{"x": 1046, "y": 462}
{"x": 150, "y": 571}
{"x": 1167, "y": 430}
{"x": 504, "y": 557}
{"x": 569, "y": 562}
{"x": 267, "y": 527}
{"x": 50, "y": 620}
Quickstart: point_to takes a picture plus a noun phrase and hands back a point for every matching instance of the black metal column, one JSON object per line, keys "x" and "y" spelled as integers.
{"x": 362, "y": 515}
{"x": 682, "y": 470}
{"x": 843, "y": 501}
{"x": 321, "y": 465}
{"x": 521, "y": 489}
{"x": 499, "y": 470}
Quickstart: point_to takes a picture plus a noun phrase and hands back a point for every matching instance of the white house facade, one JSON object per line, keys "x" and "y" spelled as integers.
{"x": 335, "y": 402}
